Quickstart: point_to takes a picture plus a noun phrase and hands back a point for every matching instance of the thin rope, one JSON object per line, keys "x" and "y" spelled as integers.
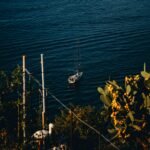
{"x": 37, "y": 81}
{"x": 68, "y": 109}
{"x": 86, "y": 124}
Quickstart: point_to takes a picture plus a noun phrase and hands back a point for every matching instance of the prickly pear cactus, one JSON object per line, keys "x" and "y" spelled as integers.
{"x": 129, "y": 106}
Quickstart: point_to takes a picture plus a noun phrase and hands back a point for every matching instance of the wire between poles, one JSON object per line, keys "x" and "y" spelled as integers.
{"x": 68, "y": 109}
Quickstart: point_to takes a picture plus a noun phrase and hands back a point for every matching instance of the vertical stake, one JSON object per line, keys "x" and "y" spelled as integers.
{"x": 43, "y": 92}
{"x": 24, "y": 98}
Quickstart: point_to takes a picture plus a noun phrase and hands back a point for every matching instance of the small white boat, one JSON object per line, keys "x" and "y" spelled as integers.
{"x": 40, "y": 134}
{"x": 75, "y": 78}
{"x": 78, "y": 74}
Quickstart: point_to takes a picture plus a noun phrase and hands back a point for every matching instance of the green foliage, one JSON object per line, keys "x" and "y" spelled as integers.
{"x": 4, "y": 85}
{"x": 63, "y": 121}
{"x": 16, "y": 78}
{"x": 128, "y": 108}
{"x": 10, "y": 85}
{"x": 68, "y": 127}
{"x": 11, "y": 108}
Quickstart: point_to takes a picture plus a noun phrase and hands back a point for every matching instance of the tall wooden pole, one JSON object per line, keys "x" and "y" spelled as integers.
{"x": 43, "y": 92}
{"x": 24, "y": 98}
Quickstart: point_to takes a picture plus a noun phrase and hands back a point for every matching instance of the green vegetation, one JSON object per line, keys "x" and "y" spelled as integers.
{"x": 127, "y": 109}
{"x": 10, "y": 87}
{"x": 69, "y": 129}
{"x": 124, "y": 117}
{"x": 11, "y": 120}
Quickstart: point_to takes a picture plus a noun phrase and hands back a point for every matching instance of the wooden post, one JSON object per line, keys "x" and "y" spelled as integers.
{"x": 43, "y": 92}
{"x": 24, "y": 98}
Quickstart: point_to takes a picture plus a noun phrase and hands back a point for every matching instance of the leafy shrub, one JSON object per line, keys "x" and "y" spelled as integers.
{"x": 127, "y": 108}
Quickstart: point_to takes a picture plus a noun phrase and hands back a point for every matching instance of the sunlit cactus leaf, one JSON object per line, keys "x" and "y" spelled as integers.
{"x": 105, "y": 99}
{"x": 138, "y": 120}
{"x": 128, "y": 89}
{"x": 145, "y": 74}
{"x": 130, "y": 114}
{"x": 148, "y": 102}
{"x": 106, "y": 107}
{"x": 136, "y": 127}
{"x": 100, "y": 90}
{"x": 134, "y": 92}
{"x": 145, "y": 102}
{"x": 141, "y": 107}
{"x": 103, "y": 113}
{"x": 112, "y": 131}
{"x": 114, "y": 83}
{"x": 106, "y": 90}
{"x": 143, "y": 95}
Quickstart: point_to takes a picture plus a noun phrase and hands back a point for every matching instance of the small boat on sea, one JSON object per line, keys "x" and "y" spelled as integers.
{"x": 72, "y": 79}
{"x": 75, "y": 78}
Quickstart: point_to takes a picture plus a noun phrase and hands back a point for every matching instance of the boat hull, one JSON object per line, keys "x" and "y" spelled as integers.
{"x": 75, "y": 78}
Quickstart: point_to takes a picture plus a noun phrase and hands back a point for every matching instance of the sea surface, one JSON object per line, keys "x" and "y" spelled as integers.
{"x": 113, "y": 38}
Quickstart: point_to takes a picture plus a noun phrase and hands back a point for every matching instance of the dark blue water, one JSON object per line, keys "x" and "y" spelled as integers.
{"x": 113, "y": 37}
